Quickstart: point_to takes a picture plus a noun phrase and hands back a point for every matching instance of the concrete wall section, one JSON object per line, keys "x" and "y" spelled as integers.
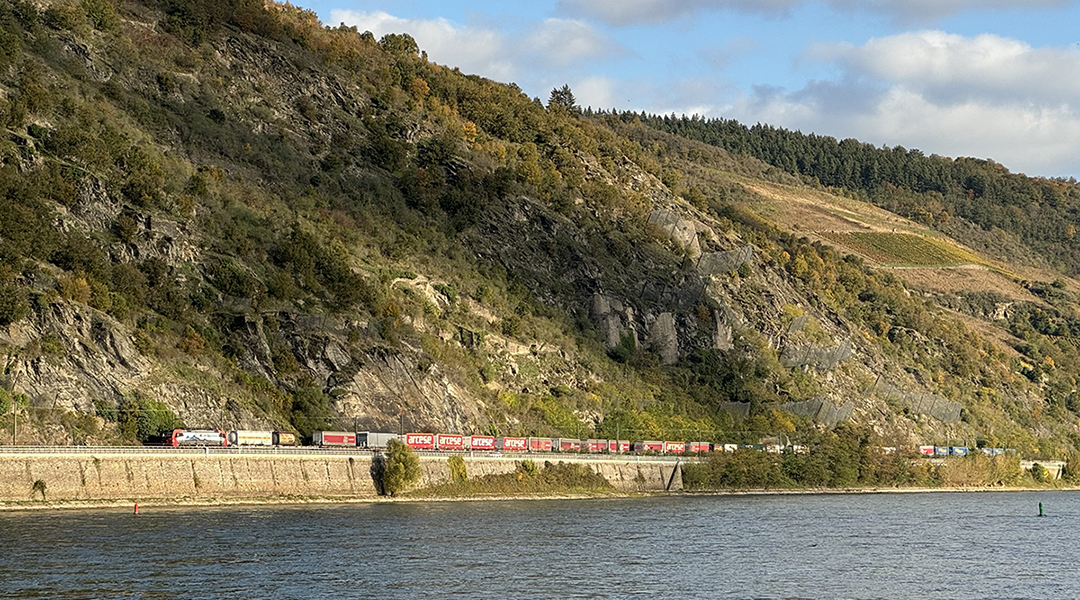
{"x": 121, "y": 477}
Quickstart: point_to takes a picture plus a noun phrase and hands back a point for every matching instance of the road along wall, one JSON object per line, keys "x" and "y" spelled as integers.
{"x": 236, "y": 475}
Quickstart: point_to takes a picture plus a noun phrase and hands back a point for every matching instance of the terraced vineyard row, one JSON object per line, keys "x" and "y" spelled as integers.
{"x": 902, "y": 248}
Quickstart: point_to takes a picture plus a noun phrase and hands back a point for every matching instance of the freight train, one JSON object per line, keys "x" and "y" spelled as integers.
{"x": 486, "y": 443}
{"x": 434, "y": 441}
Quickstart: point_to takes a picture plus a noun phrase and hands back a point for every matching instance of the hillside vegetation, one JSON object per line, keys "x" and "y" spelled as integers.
{"x": 224, "y": 214}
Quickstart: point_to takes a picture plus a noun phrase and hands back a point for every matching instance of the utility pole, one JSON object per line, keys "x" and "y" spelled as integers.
{"x": 14, "y": 415}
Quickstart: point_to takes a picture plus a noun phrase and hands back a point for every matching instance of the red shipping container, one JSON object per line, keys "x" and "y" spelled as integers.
{"x": 618, "y": 446}
{"x": 539, "y": 444}
{"x": 648, "y": 446}
{"x": 448, "y": 441}
{"x": 595, "y": 445}
{"x": 420, "y": 441}
{"x": 674, "y": 447}
{"x": 333, "y": 438}
{"x": 482, "y": 442}
{"x": 510, "y": 444}
{"x": 695, "y": 447}
{"x": 568, "y": 445}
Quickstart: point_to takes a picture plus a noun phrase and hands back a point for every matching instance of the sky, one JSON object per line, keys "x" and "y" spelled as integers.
{"x": 996, "y": 79}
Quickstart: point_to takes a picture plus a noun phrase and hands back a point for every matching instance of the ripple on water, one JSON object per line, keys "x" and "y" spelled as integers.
{"x": 928, "y": 546}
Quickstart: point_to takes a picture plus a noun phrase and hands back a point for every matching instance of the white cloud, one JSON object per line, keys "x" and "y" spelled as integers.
{"x": 474, "y": 50}
{"x": 932, "y": 10}
{"x": 554, "y": 43}
{"x": 562, "y": 42}
{"x": 597, "y": 92}
{"x": 631, "y": 12}
{"x": 984, "y": 96}
{"x": 952, "y": 67}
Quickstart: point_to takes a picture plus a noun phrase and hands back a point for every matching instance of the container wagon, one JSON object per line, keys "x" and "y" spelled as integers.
{"x": 540, "y": 444}
{"x": 284, "y": 438}
{"x": 674, "y": 447}
{"x": 374, "y": 439}
{"x": 649, "y": 446}
{"x": 242, "y": 437}
{"x": 567, "y": 445}
{"x": 334, "y": 438}
{"x": 420, "y": 441}
{"x": 618, "y": 445}
{"x": 481, "y": 443}
{"x": 449, "y": 441}
{"x": 594, "y": 445}
{"x": 511, "y": 444}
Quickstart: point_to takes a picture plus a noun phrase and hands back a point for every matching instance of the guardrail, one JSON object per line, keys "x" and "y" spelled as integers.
{"x": 185, "y": 450}
{"x": 314, "y": 451}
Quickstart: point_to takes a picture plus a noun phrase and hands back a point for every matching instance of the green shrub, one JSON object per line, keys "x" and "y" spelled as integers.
{"x": 1039, "y": 473}
{"x": 13, "y": 304}
{"x": 401, "y": 469}
{"x": 143, "y": 420}
{"x": 39, "y": 487}
{"x": 458, "y": 473}
{"x": 101, "y": 14}
{"x": 311, "y": 411}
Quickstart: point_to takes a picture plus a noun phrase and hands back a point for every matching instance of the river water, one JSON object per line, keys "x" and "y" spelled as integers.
{"x": 821, "y": 547}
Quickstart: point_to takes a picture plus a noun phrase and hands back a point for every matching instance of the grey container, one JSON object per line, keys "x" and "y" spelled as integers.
{"x": 374, "y": 439}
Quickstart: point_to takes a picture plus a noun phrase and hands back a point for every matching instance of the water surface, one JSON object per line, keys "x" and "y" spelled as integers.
{"x": 902, "y": 546}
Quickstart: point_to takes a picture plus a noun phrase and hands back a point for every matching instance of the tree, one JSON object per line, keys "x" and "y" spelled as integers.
{"x": 144, "y": 419}
{"x": 458, "y": 473}
{"x": 13, "y": 304}
{"x": 565, "y": 98}
{"x": 311, "y": 411}
{"x": 400, "y": 43}
{"x": 401, "y": 469}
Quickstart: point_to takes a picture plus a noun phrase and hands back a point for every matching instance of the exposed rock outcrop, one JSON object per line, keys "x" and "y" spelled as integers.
{"x": 664, "y": 339}
{"x": 681, "y": 230}
{"x": 72, "y": 356}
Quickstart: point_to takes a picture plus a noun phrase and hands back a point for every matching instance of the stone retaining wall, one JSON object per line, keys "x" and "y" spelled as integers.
{"x": 161, "y": 477}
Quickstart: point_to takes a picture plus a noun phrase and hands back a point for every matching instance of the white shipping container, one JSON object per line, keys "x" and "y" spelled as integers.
{"x": 251, "y": 438}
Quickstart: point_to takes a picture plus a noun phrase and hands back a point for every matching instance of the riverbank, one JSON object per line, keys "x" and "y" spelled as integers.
{"x": 128, "y": 505}
{"x": 152, "y": 503}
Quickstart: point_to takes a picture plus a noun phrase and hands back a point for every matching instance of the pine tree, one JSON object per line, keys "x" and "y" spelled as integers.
{"x": 564, "y": 97}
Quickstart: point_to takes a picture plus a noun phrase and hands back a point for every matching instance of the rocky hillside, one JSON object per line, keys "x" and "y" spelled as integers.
{"x": 224, "y": 214}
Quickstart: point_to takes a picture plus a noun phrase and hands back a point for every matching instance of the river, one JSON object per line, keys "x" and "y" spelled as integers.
{"x": 820, "y": 547}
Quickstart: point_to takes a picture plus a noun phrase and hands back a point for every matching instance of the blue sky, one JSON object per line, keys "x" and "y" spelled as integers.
{"x": 996, "y": 79}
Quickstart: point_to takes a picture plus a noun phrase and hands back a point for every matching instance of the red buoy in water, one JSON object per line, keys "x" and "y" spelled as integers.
{"x": 136, "y": 508}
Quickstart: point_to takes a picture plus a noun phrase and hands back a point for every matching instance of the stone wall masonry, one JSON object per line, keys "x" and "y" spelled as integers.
{"x": 77, "y": 477}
